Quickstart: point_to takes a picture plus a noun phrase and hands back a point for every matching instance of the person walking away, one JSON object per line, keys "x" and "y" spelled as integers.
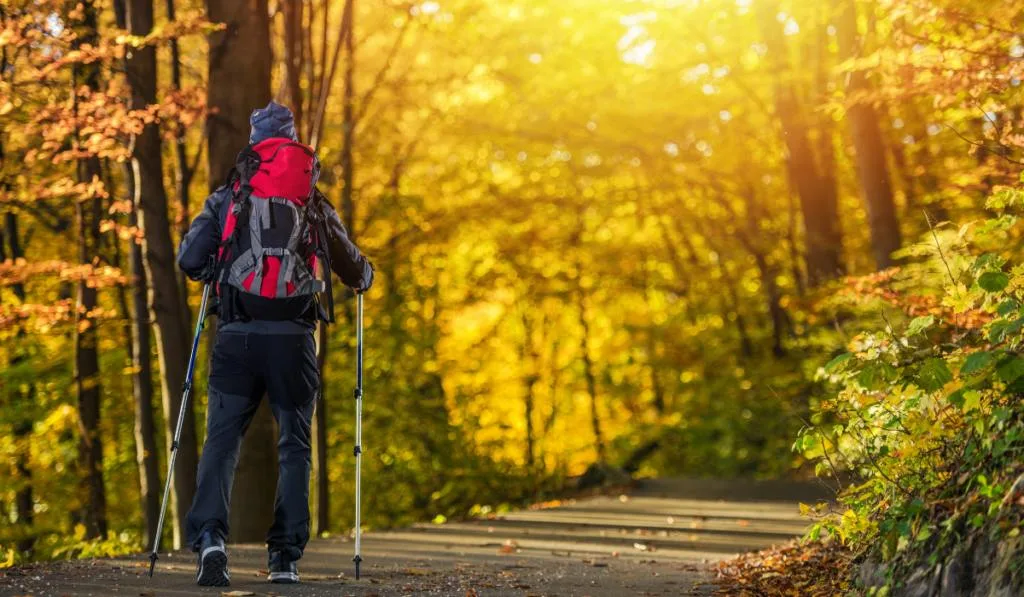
{"x": 260, "y": 240}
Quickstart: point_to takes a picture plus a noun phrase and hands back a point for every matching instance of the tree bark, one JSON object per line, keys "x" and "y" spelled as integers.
{"x": 184, "y": 168}
{"x": 142, "y": 382}
{"x": 20, "y": 398}
{"x": 530, "y": 361}
{"x": 295, "y": 50}
{"x": 869, "y": 146}
{"x": 88, "y": 212}
{"x": 323, "y": 489}
{"x": 591, "y": 378}
{"x": 816, "y": 191}
{"x": 239, "y": 81}
{"x": 348, "y": 124}
{"x": 164, "y": 295}
{"x": 293, "y": 53}
{"x": 772, "y": 295}
{"x": 139, "y": 352}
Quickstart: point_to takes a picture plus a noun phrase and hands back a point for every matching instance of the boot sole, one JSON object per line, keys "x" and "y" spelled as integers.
{"x": 283, "y": 578}
{"x": 213, "y": 572}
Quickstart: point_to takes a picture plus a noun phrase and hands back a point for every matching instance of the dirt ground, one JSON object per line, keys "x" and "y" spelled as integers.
{"x": 661, "y": 538}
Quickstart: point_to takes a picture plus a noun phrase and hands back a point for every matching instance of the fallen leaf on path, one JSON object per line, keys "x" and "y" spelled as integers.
{"x": 237, "y": 594}
{"x": 807, "y": 570}
{"x": 644, "y": 547}
{"x": 509, "y": 546}
{"x": 471, "y": 593}
{"x": 743, "y": 523}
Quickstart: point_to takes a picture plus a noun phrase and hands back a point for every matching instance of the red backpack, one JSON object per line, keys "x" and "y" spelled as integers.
{"x": 274, "y": 235}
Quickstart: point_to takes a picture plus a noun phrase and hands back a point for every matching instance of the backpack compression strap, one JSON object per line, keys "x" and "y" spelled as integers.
{"x": 319, "y": 224}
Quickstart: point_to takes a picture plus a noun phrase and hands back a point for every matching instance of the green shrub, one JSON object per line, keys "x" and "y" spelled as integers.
{"x": 925, "y": 406}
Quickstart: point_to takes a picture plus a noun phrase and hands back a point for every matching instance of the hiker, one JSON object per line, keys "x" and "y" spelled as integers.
{"x": 260, "y": 240}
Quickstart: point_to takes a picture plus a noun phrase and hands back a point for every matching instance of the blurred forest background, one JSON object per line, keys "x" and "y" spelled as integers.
{"x": 618, "y": 232}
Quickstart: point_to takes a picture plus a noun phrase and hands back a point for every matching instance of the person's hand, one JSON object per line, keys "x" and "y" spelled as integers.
{"x": 209, "y": 271}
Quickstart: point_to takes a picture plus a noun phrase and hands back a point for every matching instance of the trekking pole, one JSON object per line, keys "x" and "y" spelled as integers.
{"x": 186, "y": 391}
{"x": 358, "y": 451}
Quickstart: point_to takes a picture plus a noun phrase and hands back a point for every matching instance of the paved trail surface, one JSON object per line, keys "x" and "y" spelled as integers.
{"x": 658, "y": 539}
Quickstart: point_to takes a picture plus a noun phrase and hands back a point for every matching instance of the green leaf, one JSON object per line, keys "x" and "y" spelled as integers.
{"x": 1011, "y": 370}
{"x": 1008, "y": 306}
{"x": 920, "y": 324}
{"x": 957, "y": 398}
{"x": 972, "y": 400}
{"x": 934, "y": 374}
{"x": 834, "y": 365}
{"x": 1000, "y": 329}
{"x": 868, "y": 376}
{"x": 975, "y": 362}
{"x": 993, "y": 281}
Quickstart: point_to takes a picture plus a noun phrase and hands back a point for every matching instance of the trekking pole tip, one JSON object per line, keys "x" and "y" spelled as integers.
{"x": 152, "y": 563}
{"x": 358, "y": 560}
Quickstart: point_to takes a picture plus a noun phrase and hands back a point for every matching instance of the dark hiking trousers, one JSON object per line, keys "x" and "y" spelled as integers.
{"x": 246, "y": 366}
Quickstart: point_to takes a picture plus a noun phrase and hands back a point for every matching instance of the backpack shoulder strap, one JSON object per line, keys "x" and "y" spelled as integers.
{"x": 318, "y": 222}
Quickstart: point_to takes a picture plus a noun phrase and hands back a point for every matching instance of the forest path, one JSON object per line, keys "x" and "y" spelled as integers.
{"x": 657, "y": 539}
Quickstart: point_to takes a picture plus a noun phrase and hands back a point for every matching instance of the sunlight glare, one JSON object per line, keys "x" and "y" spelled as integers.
{"x": 639, "y": 54}
{"x": 426, "y": 8}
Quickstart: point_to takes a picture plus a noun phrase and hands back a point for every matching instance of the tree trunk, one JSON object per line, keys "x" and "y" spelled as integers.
{"x": 165, "y": 300}
{"x": 19, "y": 398}
{"x": 88, "y": 212}
{"x": 323, "y": 483}
{"x": 239, "y": 82}
{"x": 140, "y": 351}
{"x": 868, "y": 144}
{"x": 349, "y": 124}
{"x": 293, "y": 53}
{"x": 773, "y": 297}
{"x": 817, "y": 193}
{"x": 795, "y": 258}
{"x": 530, "y": 361}
{"x": 142, "y": 382}
{"x": 746, "y": 344}
{"x": 184, "y": 169}
{"x": 295, "y": 47}
{"x": 591, "y": 378}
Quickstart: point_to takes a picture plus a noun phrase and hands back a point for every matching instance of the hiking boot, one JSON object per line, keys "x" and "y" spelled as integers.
{"x": 282, "y": 569}
{"x": 213, "y": 562}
